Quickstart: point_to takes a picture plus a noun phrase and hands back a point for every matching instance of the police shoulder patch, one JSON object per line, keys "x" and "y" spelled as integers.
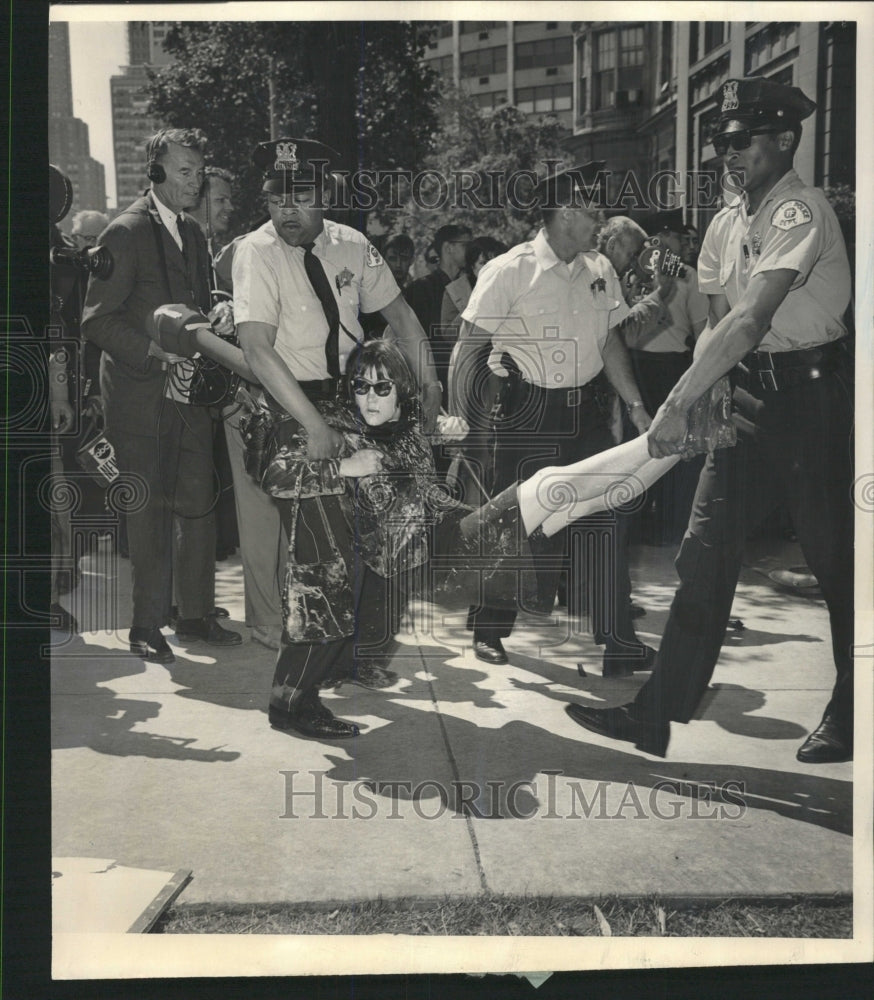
{"x": 791, "y": 214}
{"x": 372, "y": 256}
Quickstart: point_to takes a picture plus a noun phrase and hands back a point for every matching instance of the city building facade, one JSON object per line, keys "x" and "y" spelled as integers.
{"x": 131, "y": 122}
{"x": 69, "y": 146}
{"x": 639, "y": 95}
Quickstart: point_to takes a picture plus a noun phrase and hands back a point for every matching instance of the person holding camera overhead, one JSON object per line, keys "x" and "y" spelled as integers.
{"x": 160, "y": 257}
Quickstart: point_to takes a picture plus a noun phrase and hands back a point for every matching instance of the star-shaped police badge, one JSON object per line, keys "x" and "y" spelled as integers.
{"x": 343, "y": 279}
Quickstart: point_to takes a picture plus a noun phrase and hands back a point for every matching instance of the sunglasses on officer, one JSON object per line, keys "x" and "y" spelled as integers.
{"x": 362, "y": 386}
{"x": 740, "y": 139}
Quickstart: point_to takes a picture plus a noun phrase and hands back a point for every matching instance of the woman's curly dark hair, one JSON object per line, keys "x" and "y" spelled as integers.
{"x": 388, "y": 362}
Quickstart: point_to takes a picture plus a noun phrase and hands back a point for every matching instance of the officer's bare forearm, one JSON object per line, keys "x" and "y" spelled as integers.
{"x": 412, "y": 341}
{"x": 617, "y": 365}
{"x": 225, "y": 353}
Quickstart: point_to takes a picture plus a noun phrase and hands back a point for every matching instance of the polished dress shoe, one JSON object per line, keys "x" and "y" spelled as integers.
{"x": 216, "y": 613}
{"x": 150, "y": 645}
{"x": 827, "y": 744}
{"x": 207, "y": 629}
{"x": 312, "y": 718}
{"x": 624, "y": 663}
{"x": 620, "y": 724}
{"x": 490, "y": 651}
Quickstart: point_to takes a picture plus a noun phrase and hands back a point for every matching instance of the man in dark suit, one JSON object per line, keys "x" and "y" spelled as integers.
{"x": 161, "y": 440}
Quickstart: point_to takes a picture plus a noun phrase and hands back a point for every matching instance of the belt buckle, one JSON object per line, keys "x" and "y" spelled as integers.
{"x": 575, "y": 396}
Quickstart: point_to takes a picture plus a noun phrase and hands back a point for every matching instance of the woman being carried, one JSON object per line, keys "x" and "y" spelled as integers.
{"x": 359, "y": 524}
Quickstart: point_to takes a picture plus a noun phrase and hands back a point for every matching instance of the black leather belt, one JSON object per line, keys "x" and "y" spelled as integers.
{"x": 774, "y": 371}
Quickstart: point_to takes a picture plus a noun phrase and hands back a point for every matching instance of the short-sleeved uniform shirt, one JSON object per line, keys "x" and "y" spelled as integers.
{"x": 271, "y": 286}
{"x": 794, "y": 228}
{"x": 551, "y": 318}
{"x": 686, "y": 309}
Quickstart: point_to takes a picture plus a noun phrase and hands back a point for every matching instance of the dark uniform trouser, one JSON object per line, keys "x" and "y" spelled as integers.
{"x": 301, "y": 667}
{"x": 171, "y": 536}
{"x": 656, "y": 373}
{"x": 558, "y": 427}
{"x": 803, "y": 456}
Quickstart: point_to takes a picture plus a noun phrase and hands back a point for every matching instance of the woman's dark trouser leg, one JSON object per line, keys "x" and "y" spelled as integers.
{"x": 301, "y": 667}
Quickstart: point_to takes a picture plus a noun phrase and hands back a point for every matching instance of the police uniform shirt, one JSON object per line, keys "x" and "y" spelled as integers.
{"x": 686, "y": 309}
{"x": 794, "y": 228}
{"x": 271, "y": 286}
{"x": 552, "y": 319}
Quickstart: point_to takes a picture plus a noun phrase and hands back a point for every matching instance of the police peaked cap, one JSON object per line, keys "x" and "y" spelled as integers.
{"x": 660, "y": 222}
{"x": 290, "y": 162}
{"x": 582, "y": 185}
{"x": 756, "y": 100}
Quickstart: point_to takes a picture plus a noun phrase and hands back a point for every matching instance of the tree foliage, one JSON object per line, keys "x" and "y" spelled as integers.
{"x": 358, "y": 86}
{"x": 476, "y": 153}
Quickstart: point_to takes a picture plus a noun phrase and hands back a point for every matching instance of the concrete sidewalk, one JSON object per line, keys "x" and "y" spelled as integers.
{"x": 466, "y": 778}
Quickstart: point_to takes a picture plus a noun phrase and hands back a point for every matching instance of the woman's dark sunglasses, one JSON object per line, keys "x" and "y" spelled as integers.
{"x": 361, "y": 386}
{"x": 738, "y": 140}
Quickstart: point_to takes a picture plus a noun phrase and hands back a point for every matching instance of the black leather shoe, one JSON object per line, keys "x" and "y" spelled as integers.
{"x": 207, "y": 629}
{"x": 368, "y": 675}
{"x": 827, "y": 744}
{"x": 619, "y": 724}
{"x": 62, "y": 620}
{"x": 216, "y": 613}
{"x": 308, "y": 721}
{"x": 150, "y": 645}
{"x": 614, "y": 665}
{"x": 490, "y": 651}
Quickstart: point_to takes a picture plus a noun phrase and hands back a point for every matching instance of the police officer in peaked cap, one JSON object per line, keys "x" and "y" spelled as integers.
{"x": 774, "y": 266}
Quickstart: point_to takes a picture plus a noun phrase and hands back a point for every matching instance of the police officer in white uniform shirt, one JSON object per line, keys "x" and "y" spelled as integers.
{"x": 775, "y": 268}
{"x": 551, "y": 309}
{"x": 299, "y": 282}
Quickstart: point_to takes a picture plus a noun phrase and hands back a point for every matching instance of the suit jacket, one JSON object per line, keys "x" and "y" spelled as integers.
{"x": 132, "y": 382}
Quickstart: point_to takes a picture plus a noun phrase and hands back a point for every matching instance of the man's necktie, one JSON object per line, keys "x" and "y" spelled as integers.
{"x": 180, "y": 228}
{"x": 322, "y": 287}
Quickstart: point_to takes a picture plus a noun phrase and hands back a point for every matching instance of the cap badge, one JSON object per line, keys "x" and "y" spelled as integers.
{"x": 286, "y": 156}
{"x": 729, "y": 97}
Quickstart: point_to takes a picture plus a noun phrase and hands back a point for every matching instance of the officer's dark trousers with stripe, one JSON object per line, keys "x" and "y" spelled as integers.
{"x": 802, "y": 455}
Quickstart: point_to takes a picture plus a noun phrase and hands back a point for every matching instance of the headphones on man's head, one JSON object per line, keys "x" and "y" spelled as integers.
{"x": 155, "y": 171}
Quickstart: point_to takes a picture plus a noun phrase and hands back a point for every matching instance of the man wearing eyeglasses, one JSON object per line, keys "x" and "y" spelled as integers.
{"x": 87, "y": 227}
{"x": 775, "y": 268}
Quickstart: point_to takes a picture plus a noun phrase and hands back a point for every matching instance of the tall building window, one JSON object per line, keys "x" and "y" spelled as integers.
{"x": 441, "y": 65}
{"x": 714, "y": 35}
{"x": 667, "y": 61}
{"x": 631, "y": 56}
{"x": 471, "y": 27}
{"x": 492, "y": 100}
{"x": 555, "y": 97}
{"x": 770, "y": 43}
{"x": 618, "y": 75}
{"x": 604, "y": 82}
{"x": 546, "y": 52}
{"x": 484, "y": 62}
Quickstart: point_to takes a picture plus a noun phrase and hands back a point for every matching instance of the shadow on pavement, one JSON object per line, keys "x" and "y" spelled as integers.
{"x": 84, "y": 714}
